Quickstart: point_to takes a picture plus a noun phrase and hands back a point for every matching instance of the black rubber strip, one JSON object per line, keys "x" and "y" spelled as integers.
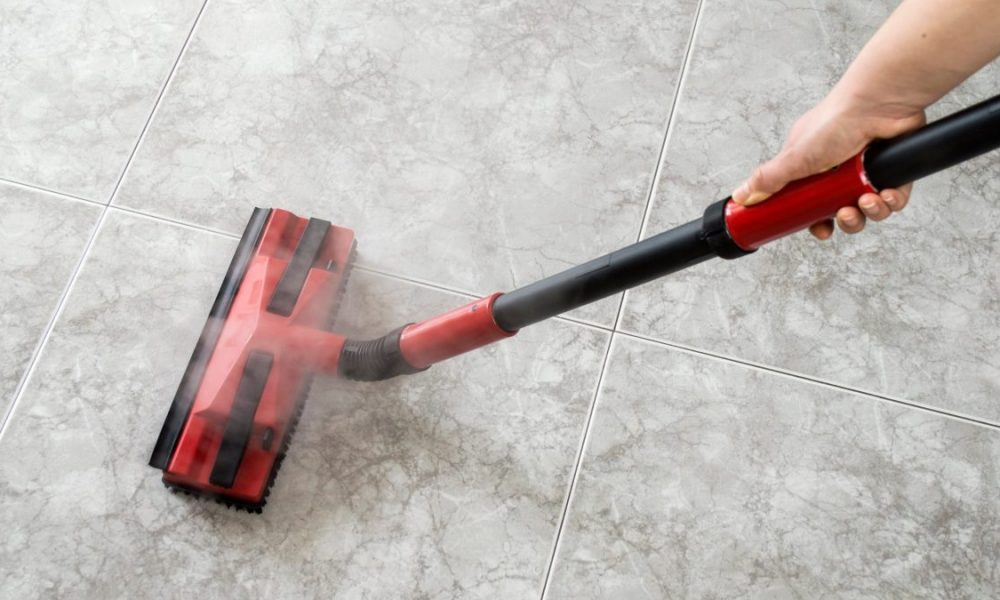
{"x": 240, "y": 423}
{"x": 286, "y": 294}
{"x": 177, "y": 416}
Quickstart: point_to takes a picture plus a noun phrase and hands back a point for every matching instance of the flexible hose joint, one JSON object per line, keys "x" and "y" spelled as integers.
{"x": 374, "y": 360}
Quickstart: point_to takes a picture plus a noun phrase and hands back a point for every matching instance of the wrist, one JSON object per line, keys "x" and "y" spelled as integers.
{"x": 872, "y": 110}
{"x": 855, "y": 94}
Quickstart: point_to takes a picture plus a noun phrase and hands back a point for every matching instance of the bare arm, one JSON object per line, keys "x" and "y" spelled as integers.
{"x": 925, "y": 49}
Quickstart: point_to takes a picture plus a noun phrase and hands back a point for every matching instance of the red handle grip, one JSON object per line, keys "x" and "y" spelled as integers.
{"x": 798, "y": 205}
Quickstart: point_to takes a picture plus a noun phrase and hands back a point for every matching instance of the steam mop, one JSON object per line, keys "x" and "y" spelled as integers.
{"x": 269, "y": 330}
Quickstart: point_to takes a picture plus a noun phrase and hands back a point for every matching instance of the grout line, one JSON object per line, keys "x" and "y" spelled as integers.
{"x": 812, "y": 380}
{"x": 647, "y": 209}
{"x": 467, "y": 294}
{"x": 671, "y": 120}
{"x": 74, "y": 275}
{"x": 419, "y": 282}
{"x": 361, "y": 267}
{"x": 233, "y": 236}
{"x": 156, "y": 104}
{"x": 661, "y": 157}
{"x": 471, "y": 295}
{"x": 366, "y": 268}
{"x": 46, "y": 333}
{"x": 38, "y": 188}
{"x": 604, "y": 328}
{"x": 175, "y": 222}
{"x": 587, "y": 324}
{"x": 577, "y": 465}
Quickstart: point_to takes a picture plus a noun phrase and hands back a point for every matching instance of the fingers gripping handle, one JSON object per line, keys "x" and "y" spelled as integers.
{"x": 798, "y": 205}
{"x": 885, "y": 164}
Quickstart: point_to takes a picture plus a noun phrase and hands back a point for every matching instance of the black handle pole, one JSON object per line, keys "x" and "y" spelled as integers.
{"x": 935, "y": 147}
{"x": 888, "y": 163}
{"x": 633, "y": 265}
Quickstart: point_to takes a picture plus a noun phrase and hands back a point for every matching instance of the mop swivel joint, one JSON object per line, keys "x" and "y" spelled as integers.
{"x": 375, "y": 359}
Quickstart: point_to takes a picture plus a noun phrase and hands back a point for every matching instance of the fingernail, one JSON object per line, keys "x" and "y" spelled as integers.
{"x": 868, "y": 205}
{"x": 851, "y": 220}
{"x": 740, "y": 194}
{"x": 890, "y": 199}
{"x": 756, "y": 197}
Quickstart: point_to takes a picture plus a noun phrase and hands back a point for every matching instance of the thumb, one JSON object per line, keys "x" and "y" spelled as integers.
{"x": 770, "y": 177}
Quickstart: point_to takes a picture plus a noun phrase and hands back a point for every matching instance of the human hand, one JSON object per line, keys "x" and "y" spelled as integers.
{"x": 836, "y": 129}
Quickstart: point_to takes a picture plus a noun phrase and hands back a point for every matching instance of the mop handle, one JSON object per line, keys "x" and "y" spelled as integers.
{"x": 729, "y": 230}
{"x": 726, "y": 229}
{"x": 885, "y": 164}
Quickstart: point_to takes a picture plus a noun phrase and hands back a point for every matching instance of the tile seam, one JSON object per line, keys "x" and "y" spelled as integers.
{"x": 156, "y": 104}
{"x": 361, "y": 267}
{"x": 801, "y": 377}
{"x": 654, "y": 185}
{"x": 29, "y": 370}
{"x": 664, "y": 142}
{"x": 578, "y": 464}
{"x": 577, "y": 467}
{"x": 605, "y": 329}
{"x": 173, "y": 222}
{"x": 48, "y": 191}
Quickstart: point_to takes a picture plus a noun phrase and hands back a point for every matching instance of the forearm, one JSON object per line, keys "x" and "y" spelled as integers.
{"x": 925, "y": 49}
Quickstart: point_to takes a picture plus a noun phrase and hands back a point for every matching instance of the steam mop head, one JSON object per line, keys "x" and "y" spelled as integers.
{"x": 240, "y": 398}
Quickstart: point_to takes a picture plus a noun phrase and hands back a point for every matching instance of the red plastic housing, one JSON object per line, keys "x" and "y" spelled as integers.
{"x": 798, "y": 205}
{"x": 299, "y": 344}
{"x": 455, "y": 332}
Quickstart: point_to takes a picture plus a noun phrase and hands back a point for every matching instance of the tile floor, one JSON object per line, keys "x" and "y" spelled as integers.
{"x": 821, "y": 425}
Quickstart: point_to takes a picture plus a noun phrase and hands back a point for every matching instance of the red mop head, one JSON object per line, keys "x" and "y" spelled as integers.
{"x": 267, "y": 334}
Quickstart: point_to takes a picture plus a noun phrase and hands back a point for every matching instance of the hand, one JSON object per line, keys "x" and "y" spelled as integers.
{"x": 835, "y": 130}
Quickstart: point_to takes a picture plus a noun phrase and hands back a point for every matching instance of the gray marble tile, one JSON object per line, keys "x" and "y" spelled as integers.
{"x": 706, "y": 479}
{"x": 908, "y": 309}
{"x": 446, "y": 484}
{"x": 79, "y": 82}
{"x": 41, "y": 238}
{"x": 475, "y": 145}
